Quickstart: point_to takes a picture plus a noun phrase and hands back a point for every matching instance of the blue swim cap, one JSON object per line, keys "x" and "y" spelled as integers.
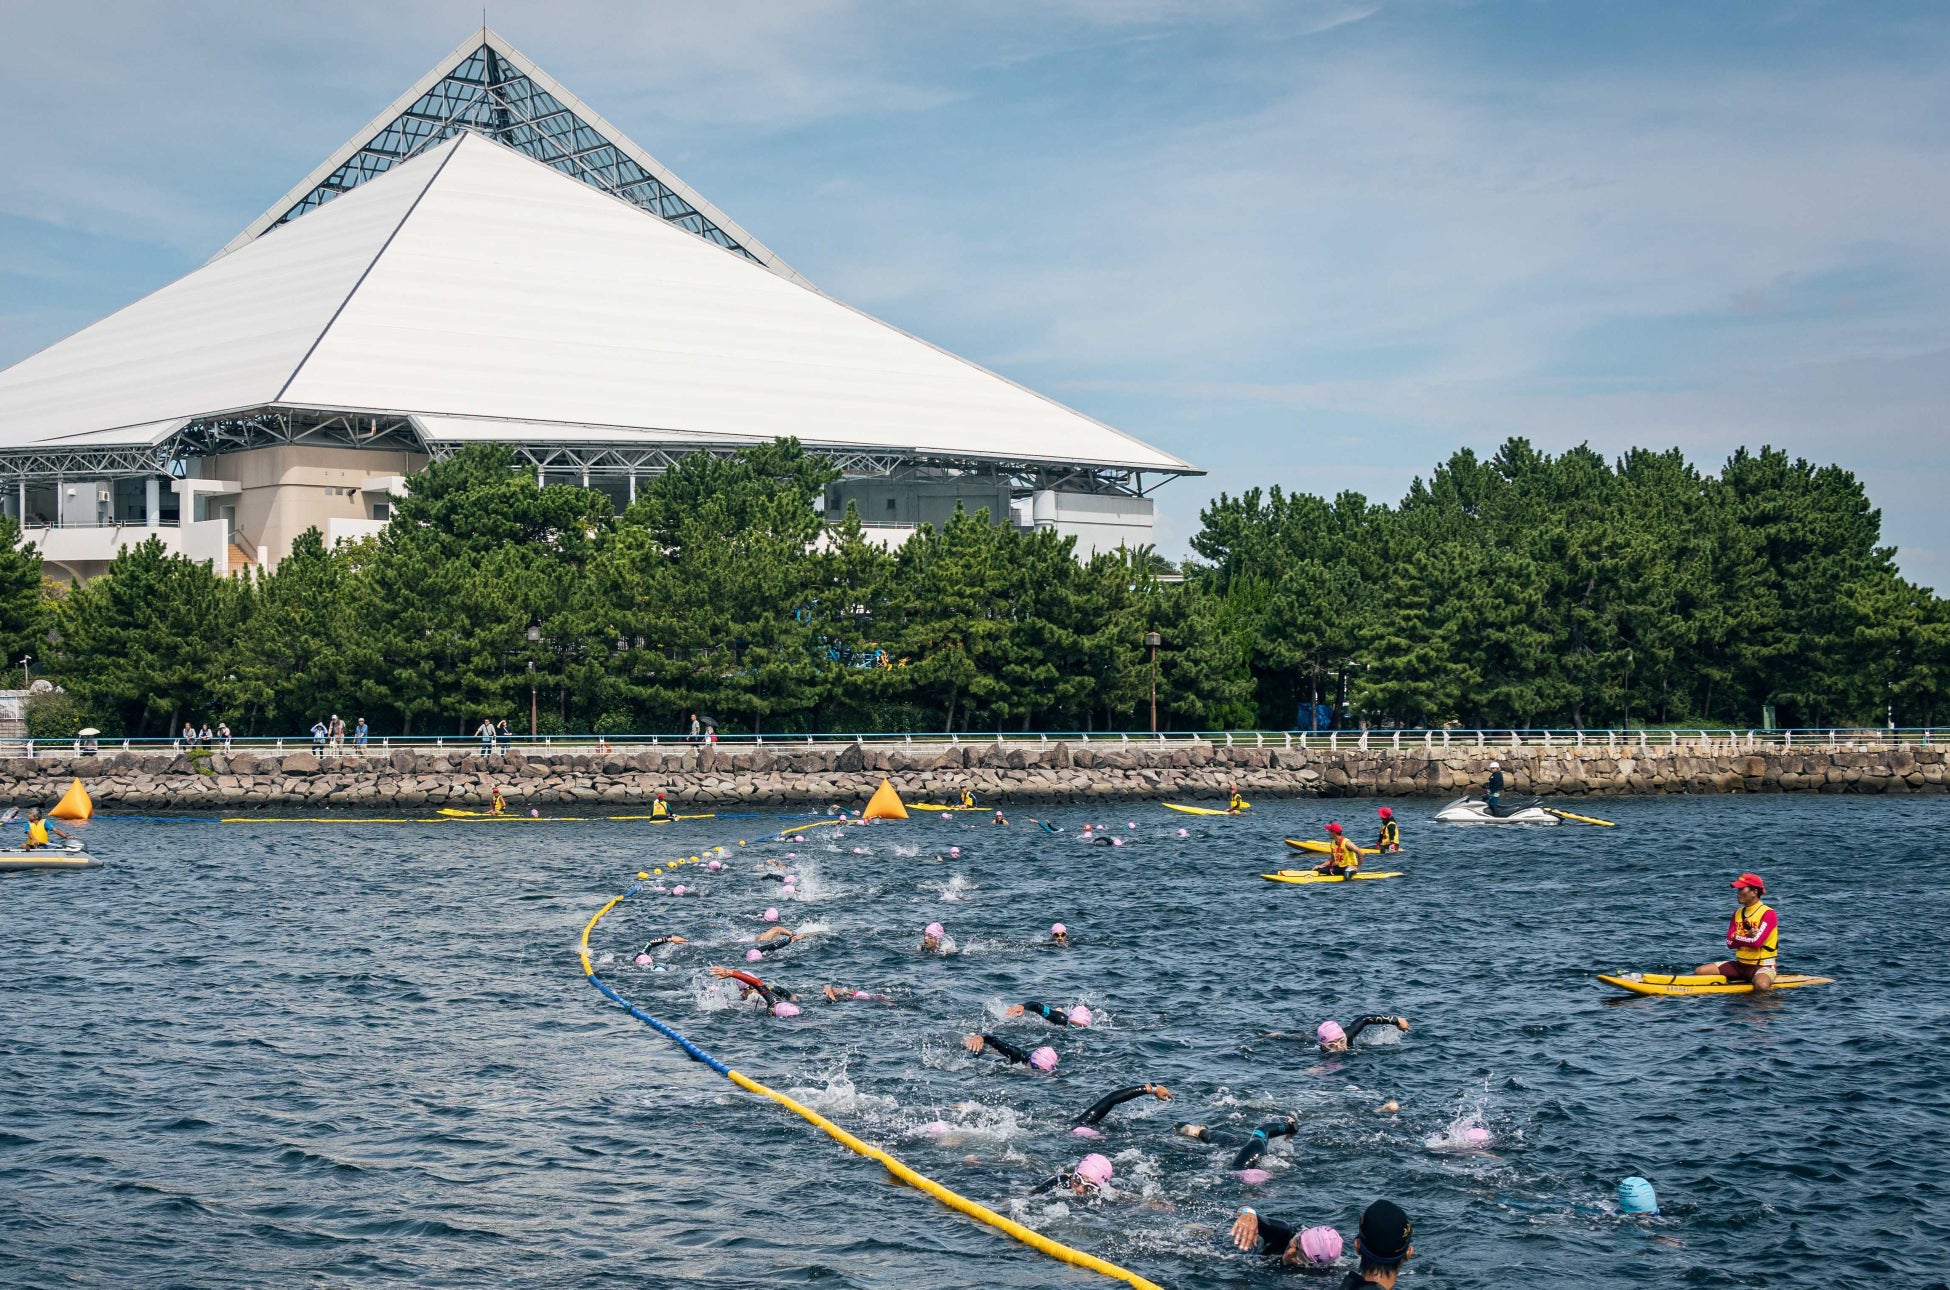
{"x": 1635, "y": 1196}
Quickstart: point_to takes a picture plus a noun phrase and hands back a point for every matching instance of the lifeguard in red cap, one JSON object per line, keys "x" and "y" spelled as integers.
{"x": 1754, "y": 936}
{"x": 1343, "y": 857}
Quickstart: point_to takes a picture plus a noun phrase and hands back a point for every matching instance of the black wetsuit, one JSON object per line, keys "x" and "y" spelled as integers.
{"x": 1494, "y": 791}
{"x": 1008, "y": 1050}
{"x": 661, "y": 940}
{"x": 1055, "y": 1016}
{"x": 1110, "y": 1102}
{"x": 1274, "y": 1237}
{"x": 1362, "y": 1023}
{"x": 1251, "y": 1145}
{"x": 776, "y": 943}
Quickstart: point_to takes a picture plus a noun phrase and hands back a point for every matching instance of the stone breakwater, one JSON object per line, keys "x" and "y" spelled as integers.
{"x": 789, "y": 775}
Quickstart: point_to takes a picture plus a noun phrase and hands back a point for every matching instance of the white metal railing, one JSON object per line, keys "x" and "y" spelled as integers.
{"x": 1390, "y": 740}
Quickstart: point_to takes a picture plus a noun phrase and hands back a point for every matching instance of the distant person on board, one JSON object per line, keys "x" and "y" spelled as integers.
{"x": 1389, "y": 840}
{"x": 1234, "y": 802}
{"x": 660, "y": 809}
{"x": 967, "y": 800}
{"x": 497, "y": 804}
{"x": 38, "y": 829}
{"x": 1343, "y": 857}
{"x": 1754, "y": 936}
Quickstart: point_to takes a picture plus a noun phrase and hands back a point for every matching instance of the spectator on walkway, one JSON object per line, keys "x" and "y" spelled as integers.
{"x": 223, "y": 734}
{"x": 696, "y": 729}
{"x": 318, "y": 732}
{"x": 203, "y": 736}
{"x": 504, "y": 736}
{"x": 337, "y": 731}
{"x": 189, "y": 735}
{"x": 486, "y": 735}
{"x": 359, "y": 733}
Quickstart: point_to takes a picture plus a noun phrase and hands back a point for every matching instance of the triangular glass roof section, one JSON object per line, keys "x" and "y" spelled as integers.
{"x": 488, "y": 86}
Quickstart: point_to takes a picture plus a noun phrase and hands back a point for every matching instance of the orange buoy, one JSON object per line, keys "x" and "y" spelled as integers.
{"x": 885, "y": 804}
{"x": 75, "y": 804}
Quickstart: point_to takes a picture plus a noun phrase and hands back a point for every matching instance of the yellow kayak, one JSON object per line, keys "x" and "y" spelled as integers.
{"x": 1301, "y": 876}
{"x": 929, "y": 806}
{"x": 1674, "y": 983}
{"x": 663, "y": 819}
{"x": 1321, "y": 848}
{"x": 21, "y": 861}
{"x": 1200, "y": 810}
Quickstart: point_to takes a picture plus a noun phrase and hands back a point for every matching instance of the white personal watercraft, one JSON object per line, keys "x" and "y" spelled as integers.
{"x": 1474, "y": 810}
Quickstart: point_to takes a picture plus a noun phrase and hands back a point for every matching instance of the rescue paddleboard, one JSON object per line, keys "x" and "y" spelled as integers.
{"x": 1198, "y": 810}
{"x": 1302, "y": 876}
{"x": 928, "y": 806}
{"x": 1685, "y": 983}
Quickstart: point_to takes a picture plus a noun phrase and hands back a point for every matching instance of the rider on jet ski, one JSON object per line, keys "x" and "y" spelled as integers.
{"x": 1495, "y": 790}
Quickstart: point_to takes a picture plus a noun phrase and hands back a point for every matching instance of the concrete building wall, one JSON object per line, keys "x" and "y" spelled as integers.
{"x": 287, "y": 489}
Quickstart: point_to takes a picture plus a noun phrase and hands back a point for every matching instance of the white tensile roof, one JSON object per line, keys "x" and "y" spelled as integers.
{"x": 489, "y": 296}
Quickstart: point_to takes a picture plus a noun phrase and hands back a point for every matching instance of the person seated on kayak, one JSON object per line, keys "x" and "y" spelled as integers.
{"x": 497, "y": 804}
{"x": 1389, "y": 841}
{"x": 38, "y": 829}
{"x": 1754, "y": 936}
{"x": 660, "y": 809}
{"x": 1251, "y": 1145}
{"x": 775, "y": 997}
{"x": 967, "y": 800}
{"x": 1078, "y": 1016}
{"x": 1109, "y": 1102}
{"x": 1234, "y": 802}
{"x": 1493, "y": 794}
{"x": 1343, "y": 857}
{"x": 1043, "y": 1059}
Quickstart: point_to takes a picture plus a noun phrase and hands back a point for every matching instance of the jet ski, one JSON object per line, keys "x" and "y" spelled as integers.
{"x": 1474, "y": 810}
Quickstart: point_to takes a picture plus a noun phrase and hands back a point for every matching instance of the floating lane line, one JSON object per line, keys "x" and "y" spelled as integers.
{"x": 980, "y": 1213}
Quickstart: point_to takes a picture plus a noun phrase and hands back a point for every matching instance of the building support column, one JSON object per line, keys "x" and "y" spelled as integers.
{"x": 152, "y": 502}
{"x": 22, "y": 516}
{"x": 633, "y": 488}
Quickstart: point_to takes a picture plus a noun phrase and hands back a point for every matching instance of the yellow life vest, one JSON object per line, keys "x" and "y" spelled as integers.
{"x": 37, "y": 833}
{"x": 1391, "y": 834}
{"x": 658, "y": 810}
{"x": 1749, "y": 924}
{"x": 967, "y": 798}
{"x": 1345, "y": 855}
{"x": 1237, "y": 803}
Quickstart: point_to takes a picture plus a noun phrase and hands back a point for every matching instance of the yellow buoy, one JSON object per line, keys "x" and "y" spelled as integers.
{"x": 885, "y": 804}
{"x": 75, "y": 804}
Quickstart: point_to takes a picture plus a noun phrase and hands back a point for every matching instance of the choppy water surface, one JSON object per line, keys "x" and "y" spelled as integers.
{"x": 264, "y": 1053}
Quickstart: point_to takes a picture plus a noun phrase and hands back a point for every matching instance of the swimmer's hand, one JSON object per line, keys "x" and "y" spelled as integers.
{"x": 973, "y": 1043}
{"x": 722, "y": 973}
{"x": 1013, "y": 1010}
{"x": 832, "y": 995}
{"x": 1402, "y": 1024}
{"x": 1245, "y": 1229}
{"x": 1158, "y": 1091}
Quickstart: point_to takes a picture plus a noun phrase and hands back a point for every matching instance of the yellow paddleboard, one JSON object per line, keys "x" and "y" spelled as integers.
{"x": 663, "y": 819}
{"x": 926, "y": 806}
{"x": 1322, "y": 848}
{"x": 1197, "y": 810}
{"x": 20, "y": 861}
{"x": 1671, "y": 983}
{"x": 1301, "y": 876}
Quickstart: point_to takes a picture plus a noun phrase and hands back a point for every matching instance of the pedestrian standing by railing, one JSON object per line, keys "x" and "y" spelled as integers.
{"x": 223, "y": 734}
{"x": 359, "y": 733}
{"x": 504, "y": 736}
{"x": 318, "y": 732}
{"x": 486, "y": 735}
{"x": 189, "y": 735}
{"x": 337, "y": 732}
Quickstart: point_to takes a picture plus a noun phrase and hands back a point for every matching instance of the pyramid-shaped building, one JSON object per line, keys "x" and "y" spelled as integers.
{"x": 489, "y": 260}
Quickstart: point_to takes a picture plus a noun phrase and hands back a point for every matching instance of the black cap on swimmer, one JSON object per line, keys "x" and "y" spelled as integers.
{"x": 1385, "y": 1234}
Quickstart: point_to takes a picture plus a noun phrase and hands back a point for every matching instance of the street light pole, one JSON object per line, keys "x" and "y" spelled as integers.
{"x": 25, "y": 659}
{"x": 534, "y": 712}
{"x": 1154, "y": 640}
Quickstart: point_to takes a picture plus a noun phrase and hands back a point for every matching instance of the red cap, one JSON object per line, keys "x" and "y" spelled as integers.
{"x": 1749, "y": 880}
{"x": 1333, "y": 828}
{"x": 1385, "y": 813}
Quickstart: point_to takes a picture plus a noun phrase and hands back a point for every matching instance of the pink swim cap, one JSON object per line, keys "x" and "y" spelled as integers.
{"x": 534, "y": 814}
{"x": 1057, "y": 929}
{"x": 1043, "y": 1059}
{"x": 1253, "y": 1177}
{"x": 1330, "y": 1032}
{"x": 643, "y": 960}
{"x": 1117, "y": 842}
{"x": 753, "y": 956}
{"x": 771, "y": 915}
{"x": 1321, "y": 1245}
{"x": 1094, "y": 1168}
{"x": 1476, "y": 1137}
{"x": 1184, "y": 833}
{"x": 935, "y": 1128}
{"x": 783, "y": 1009}
{"x": 1080, "y": 1016}
{"x": 954, "y": 851}
{"x": 1131, "y": 825}
{"x": 678, "y": 890}
{"x": 861, "y": 994}
{"x": 714, "y": 865}
{"x": 1084, "y": 1131}
{"x": 935, "y": 930}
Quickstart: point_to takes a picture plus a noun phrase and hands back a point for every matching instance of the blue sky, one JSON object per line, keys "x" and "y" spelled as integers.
{"x": 1320, "y": 243}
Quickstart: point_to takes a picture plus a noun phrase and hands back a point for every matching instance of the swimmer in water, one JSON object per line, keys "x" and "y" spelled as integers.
{"x": 1077, "y": 1016}
{"x": 1291, "y": 1246}
{"x": 1059, "y": 935}
{"x": 1109, "y": 1102}
{"x": 1000, "y": 818}
{"x": 933, "y": 938}
{"x": 663, "y": 940}
{"x": 1333, "y": 1039}
{"x": 841, "y": 994}
{"x": 1046, "y": 826}
{"x": 776, "y": 938}
{"x": 1091, "y": 1175}
{"x": 1043, "y": 1059}
{"x": 1251, "y": 1145}
{"x": 749, "y": 985}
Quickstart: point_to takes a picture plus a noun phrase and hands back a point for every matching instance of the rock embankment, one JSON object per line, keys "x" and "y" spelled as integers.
{"x": 793, "y": 775}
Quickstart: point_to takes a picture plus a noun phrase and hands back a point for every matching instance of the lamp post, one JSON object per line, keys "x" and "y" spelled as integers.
{"x": 1153, "y": 640}
{"x": 25, "y": 659}
{"x": 534, "y": 711}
